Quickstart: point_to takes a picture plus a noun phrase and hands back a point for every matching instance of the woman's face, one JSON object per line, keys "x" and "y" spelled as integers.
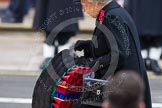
{"x": 91, "y": 8}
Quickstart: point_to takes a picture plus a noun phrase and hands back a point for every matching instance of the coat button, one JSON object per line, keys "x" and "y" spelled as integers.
{"x": 98, "y": 92}
{"x": 101, "y": 66}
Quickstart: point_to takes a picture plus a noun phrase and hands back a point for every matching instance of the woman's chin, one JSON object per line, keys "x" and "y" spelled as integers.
{"x": 93, "y": 16}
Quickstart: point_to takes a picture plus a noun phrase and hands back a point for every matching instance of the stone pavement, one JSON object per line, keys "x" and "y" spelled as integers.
{"x": 22, "y": 51}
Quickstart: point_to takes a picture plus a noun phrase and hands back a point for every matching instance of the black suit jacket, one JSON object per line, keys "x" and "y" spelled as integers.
{"x": 120, "y": 38}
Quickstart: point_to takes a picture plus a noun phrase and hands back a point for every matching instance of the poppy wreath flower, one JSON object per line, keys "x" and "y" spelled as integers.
{"x": 102, "y": 13}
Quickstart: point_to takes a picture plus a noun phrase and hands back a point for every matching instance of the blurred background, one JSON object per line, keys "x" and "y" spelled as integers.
{"x": 24, "y": 50}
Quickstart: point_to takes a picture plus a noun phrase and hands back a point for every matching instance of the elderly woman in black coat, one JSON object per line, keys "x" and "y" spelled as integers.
{"x": 147, "y": 16}
{"x": 58, "y": 19}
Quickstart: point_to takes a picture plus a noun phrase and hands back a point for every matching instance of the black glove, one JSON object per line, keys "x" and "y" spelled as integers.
{"x": 87, "y": 46}
{"x": 82, "y": 44}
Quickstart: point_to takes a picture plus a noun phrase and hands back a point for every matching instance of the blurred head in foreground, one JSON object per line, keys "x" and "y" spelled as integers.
{"x": 93, "y": 7}
{"x": 125, "y": 90}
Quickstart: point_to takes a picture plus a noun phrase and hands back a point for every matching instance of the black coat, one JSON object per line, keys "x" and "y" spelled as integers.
{"x": 51, "y": 13}
{"x": 125, "y": 35}
{"x": 147, "y": 16}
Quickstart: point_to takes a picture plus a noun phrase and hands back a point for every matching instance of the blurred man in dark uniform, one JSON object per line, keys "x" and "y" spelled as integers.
{"x": 147, "y": 16}
{"x": 16, "y": 11}
{"x": 49, "y": 15}
{"x": 102, "y": 50}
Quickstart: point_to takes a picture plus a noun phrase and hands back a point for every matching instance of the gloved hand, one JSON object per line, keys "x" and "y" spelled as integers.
{"x": 82, "y": 44}
{"x": 85, "y": 45}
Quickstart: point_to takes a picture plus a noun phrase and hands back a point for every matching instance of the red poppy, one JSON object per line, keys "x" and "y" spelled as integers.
{"x": 102, "y": 13}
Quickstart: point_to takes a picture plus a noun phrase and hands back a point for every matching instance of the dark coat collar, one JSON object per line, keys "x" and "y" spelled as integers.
{"x": 113, "y": 4}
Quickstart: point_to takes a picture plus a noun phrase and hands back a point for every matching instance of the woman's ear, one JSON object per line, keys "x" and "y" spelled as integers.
{"x": 83, "y": 8}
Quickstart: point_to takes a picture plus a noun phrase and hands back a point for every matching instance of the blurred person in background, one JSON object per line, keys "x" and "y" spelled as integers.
{"x": 51, "y": 13}
{"x": 129, "y": 95}
{"x": 147, "y": 16}
{"x": 16, "y": 11}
